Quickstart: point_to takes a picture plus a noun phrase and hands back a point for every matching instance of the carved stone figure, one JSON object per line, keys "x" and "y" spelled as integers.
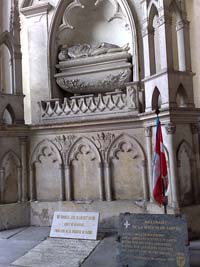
{"x": 87, "y": 50}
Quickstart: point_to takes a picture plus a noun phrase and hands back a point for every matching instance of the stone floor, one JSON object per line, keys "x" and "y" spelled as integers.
{"x": 28, "y": 247}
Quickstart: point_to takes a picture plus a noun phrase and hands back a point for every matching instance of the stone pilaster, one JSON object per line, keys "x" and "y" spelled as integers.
{"x": 195, "y": 139}
{"x": 68, "y": 185}
{"x": 148, "y": 134}
{"x": 24, "y": 167}
{"x": 145, "y": 180}
{"x": 107, "y": 181}
{"x": 171, "y": 129}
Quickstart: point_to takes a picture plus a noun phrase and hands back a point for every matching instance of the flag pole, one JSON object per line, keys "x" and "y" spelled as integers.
{"x": 163, "y": 186}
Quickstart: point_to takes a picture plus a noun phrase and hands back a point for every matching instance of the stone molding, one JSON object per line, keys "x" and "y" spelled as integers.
{"x": 109, "y": 103}
{"x": 37, "y": 10}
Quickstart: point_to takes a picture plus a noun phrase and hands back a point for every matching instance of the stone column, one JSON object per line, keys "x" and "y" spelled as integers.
{"x": 149, "y": 51}
{"x": 148, "y": 134}
{"x": 195, "y": 139}
{"x": 38, "y": 29}
{"x": 19, "y": 182}
{"x": 32, "y": 185}
{"x": 145, "y": 180}
{"x": 101, "y": 181}
{"x": 24, "y": 178}
{"x": 62, "y": 182}
{"x": 171, "y": 129}
{"x": 68, "y": 183}
{"x": 165, "y": 33}
{"x": 107, "y": 181}
{"x": 2, "y": 177}
{"x": 183, "y": 41}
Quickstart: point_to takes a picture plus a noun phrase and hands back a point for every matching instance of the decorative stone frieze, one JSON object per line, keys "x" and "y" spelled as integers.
{"x": 103, "y": 141}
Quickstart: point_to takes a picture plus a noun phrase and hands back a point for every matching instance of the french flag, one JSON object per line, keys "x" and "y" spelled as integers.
{"x": 159, "y": 176}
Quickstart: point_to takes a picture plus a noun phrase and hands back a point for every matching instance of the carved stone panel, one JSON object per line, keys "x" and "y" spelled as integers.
{"x": 85, "y": 172}
{"x": 126, "y": 171}
{"x": 185, "y": 174}
{"x": 10, "y": 165}
{"x": 47, "y": 173}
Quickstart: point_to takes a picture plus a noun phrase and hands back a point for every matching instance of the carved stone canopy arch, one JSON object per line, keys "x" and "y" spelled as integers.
{"x": 185, "y": 147}
{"x": 125, "y": 143}
{"x": 45, "y": 148}
{"x": 186, "y": 174}
{"x": 91, "y": 23}
{"x": 83, "y": 146}
{"x": 10, "y": 156}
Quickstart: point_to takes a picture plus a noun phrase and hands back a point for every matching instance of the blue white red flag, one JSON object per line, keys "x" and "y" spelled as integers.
{"x": 159, "y": 177}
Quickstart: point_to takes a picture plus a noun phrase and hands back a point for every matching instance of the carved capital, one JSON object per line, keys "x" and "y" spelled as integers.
{"x": 165, "y": 19}
{"x": 170, "y": 128}
{"x": 148, "y": 131}
{"x": 194, "y": 128}
{"x": 182, "y": 24}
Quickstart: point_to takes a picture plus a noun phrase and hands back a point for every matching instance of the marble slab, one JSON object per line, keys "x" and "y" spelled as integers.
{"x": 79, "y": 225}
{"x": 55, "y": 252}
{"x": 152, "y": 240}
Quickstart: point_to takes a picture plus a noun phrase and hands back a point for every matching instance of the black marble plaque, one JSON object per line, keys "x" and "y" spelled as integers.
{"x": 148, "y": 240}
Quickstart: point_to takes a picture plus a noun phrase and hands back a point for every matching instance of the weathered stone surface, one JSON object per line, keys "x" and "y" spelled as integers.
{"x": 153, "y": 240}
{"x": 58, "y": 253}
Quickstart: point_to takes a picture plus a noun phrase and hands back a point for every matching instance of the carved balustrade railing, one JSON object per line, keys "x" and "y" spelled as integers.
{"x": 87, "y": 105}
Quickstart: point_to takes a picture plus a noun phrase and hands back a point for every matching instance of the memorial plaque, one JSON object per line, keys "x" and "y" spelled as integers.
{"x": 152, "y": 241}
{"x": 80, "y": 225}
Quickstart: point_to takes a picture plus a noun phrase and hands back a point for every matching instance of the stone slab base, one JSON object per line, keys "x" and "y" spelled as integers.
{"x": 58, "y": 253}
{"x": 42, "y": 212}
{"x": 14, "y": 215}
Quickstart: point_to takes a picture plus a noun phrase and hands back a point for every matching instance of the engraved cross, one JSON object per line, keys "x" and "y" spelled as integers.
{"x": 127, "y": 224}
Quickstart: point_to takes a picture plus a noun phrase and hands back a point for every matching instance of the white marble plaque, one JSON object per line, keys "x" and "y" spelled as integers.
{"x": 80, "y": 225}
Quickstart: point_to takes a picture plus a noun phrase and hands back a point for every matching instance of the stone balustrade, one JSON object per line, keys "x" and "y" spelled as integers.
{"x": 86, "y": 105}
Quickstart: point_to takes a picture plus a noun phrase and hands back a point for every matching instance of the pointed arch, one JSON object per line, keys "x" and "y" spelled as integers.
{"x": 152, "y": 12}
{"x": 156, "y": 101}
{"x": 128, "y": 169}
{"x": 181, "y": 97}
{"x": 53, "y": 45}
{"x": 185, "y": 161}
{"x": 11, "y": 184}
{"x": 39, "y": 150}
{"x": 46, "y": 186}
{"x": 13, "y": 155}
{"x": 118, "y": 141}
{"x": 84, "y": 161}
{"x": 8, "y": 115}
{"x": 78, "y": 145}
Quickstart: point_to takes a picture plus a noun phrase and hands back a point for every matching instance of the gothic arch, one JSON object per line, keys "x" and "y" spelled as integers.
{"x": 84, "y": 161}
{"x": 156, "y": 101}
{"x": 11, "y": 113}
{"x": 7, "y": 39}
{"x": 126, "y": 158}
{"x": 120, "y": 140}
{"x": 39, "y": 150}
{"x": 181, "y": 97}
{"x": 12, "y": 154}
{"x": 42, "y": 186}
{"x": 77, "y": 146}
{"x": 11, "y": 183}
{"x": 185, "y": 162}
{"x": 56, "y": 21}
